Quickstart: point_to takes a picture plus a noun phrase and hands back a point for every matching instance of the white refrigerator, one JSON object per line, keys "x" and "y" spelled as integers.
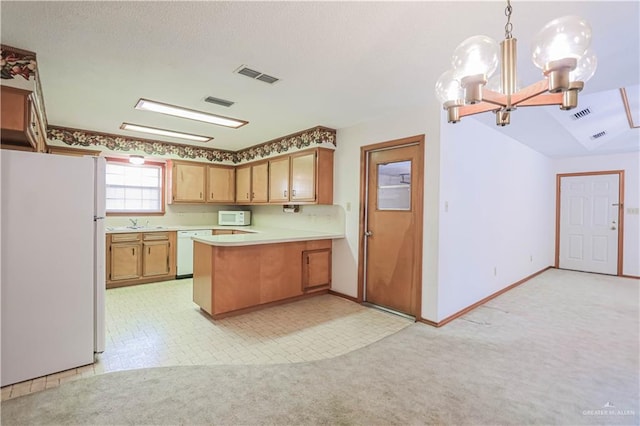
{"x": 52, "y": 256}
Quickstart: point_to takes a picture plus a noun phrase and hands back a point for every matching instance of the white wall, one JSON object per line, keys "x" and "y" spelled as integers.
{"x": 496, "y": 214}
{"x": 630, "y": 164}
{"x": 409, "y": 122}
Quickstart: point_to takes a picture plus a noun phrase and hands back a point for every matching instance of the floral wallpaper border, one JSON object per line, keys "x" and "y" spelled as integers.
{"x": 83, "y": 138}
{"x": 314, "y": 136}
{"x": 14, "y": 62}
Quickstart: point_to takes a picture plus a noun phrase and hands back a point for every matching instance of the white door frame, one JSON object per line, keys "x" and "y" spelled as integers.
{"x": 620, "y": 174}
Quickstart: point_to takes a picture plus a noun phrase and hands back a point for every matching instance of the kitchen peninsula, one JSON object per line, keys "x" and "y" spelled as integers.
{"x": 237, "y": 273}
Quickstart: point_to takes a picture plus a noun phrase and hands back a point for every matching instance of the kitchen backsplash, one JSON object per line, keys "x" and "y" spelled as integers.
{"x": 310, "y": 217}
{"x": 176, "y": 214}
{"x": 320, "y": 218}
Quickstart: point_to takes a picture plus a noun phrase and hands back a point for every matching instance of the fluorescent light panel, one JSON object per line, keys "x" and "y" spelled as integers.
{"x": 162, "y": 132}
{"x": 147, "y": 105}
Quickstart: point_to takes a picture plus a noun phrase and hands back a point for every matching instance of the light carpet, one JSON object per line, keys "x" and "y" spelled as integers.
{"x": 560, "y": 349}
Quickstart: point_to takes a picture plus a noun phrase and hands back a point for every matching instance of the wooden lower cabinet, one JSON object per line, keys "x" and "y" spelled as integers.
{"x": 140, "y": 257}
{"x": 226, "y": 283}
{"x": 222, "y": 232}
{"x": 155, "y": 258}
{"x": 125, "y": 261}
{"x": 316, "y": 269}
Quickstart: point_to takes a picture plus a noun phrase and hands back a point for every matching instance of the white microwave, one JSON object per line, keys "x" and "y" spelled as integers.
{"x": 234, "y": 218}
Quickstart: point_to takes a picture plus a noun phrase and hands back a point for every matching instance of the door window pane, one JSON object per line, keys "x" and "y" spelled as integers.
{"x": 394, "y": 186}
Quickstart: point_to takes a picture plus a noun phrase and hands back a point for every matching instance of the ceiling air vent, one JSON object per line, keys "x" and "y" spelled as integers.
{"x": 218, "y": 101}
{"x": 256, "y": 75}
{"x": 267, "y": 78}
{"x": 598, "y": 135}
{"x": 581, "y": 114}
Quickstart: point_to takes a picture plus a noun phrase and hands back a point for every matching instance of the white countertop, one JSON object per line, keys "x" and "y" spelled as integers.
{"x": 257, "y": 235}
{"x": 263, "y": 236}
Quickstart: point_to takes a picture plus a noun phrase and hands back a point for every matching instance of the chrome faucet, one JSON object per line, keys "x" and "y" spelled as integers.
{"x": 134, "y": 222}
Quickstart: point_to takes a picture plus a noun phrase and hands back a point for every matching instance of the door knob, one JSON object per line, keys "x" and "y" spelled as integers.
{"x": 368, "y": 233}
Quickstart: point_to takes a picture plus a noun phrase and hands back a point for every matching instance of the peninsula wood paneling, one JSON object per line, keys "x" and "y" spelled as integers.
{"x": 242, "y": 277}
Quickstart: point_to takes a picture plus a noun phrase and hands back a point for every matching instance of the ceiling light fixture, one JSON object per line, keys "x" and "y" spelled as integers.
{"x": 137, "y": 160}
{"x": 162, "y": 132}
{"x": 560, "y": 49}
{"x": 147, "y": 105}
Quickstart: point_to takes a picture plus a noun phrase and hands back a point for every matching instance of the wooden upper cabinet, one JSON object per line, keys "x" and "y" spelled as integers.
{"x": 279, "y": 180}
{"x": 188, "y": 182}
{"x": 22, "y": 128}
{"x": 74, "y": 152}
{"x": 243, "y": 184}
{"x": 221, "y": 184}
{"x": 303, "y": 177}
{"x": 260, "y": 182}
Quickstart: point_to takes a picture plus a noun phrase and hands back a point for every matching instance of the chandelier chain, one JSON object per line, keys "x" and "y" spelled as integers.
{"x": 509, "y": 26}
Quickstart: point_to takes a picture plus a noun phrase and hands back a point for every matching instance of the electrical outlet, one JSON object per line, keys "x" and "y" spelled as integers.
{"x": 633, "y": 210}
{"x": 495, "y": 271}
{"x": 446, "y": 206}
{"x": 530, "y": 258}
{"x": 348, "y": 206}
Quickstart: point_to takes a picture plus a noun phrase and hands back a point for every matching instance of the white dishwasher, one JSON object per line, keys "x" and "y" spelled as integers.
{"x": 185, "y": 251}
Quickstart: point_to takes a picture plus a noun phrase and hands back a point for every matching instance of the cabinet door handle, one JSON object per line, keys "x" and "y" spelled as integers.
{"x": 285, "y": 193}
{"x": 149, "y": 250}
{"x": 133, "y": 252}
{"x": 201, "y": 195}
{"x": 293, "y": 192}
{"x": 247, "y": 196}
{"x": 212, "y": 195}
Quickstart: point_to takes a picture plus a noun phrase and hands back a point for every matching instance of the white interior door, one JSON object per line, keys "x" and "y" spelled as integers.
{"x": 589, "y": 228}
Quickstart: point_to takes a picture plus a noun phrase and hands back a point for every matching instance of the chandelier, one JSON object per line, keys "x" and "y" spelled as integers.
{"x": 560, "y": 49}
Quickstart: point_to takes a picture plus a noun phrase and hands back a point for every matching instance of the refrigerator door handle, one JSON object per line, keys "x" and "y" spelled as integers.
{"x": 98, "y": 217}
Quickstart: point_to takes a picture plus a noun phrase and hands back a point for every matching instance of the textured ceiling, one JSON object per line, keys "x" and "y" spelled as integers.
{"x": 340, "y": 63}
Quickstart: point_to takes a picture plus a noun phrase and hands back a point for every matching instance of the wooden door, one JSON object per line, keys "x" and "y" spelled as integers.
{"x": 221, "y": 184}
{"x": 279, "y": 180}
{"x": 125, "y": 261}
{"x": 189, "y": 182}
{"x": 155, "y": 258}
{"x": 589, "y": 222}
{"x": 392, "y": 229}
{"x": 260, "y": 183}
{"x": 303, "y": 177}
{"x": 243, "y": 184}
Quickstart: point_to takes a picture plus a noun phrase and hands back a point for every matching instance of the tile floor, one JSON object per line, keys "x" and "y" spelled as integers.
{"x": 157, "y": 325}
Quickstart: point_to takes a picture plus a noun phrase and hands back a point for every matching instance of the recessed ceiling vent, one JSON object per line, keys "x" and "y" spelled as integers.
{"x": 598, "y": 135}
{"x": 581, "y": 114}
{"x": 256, "y": 75}
{"x": 218, "y": 101}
